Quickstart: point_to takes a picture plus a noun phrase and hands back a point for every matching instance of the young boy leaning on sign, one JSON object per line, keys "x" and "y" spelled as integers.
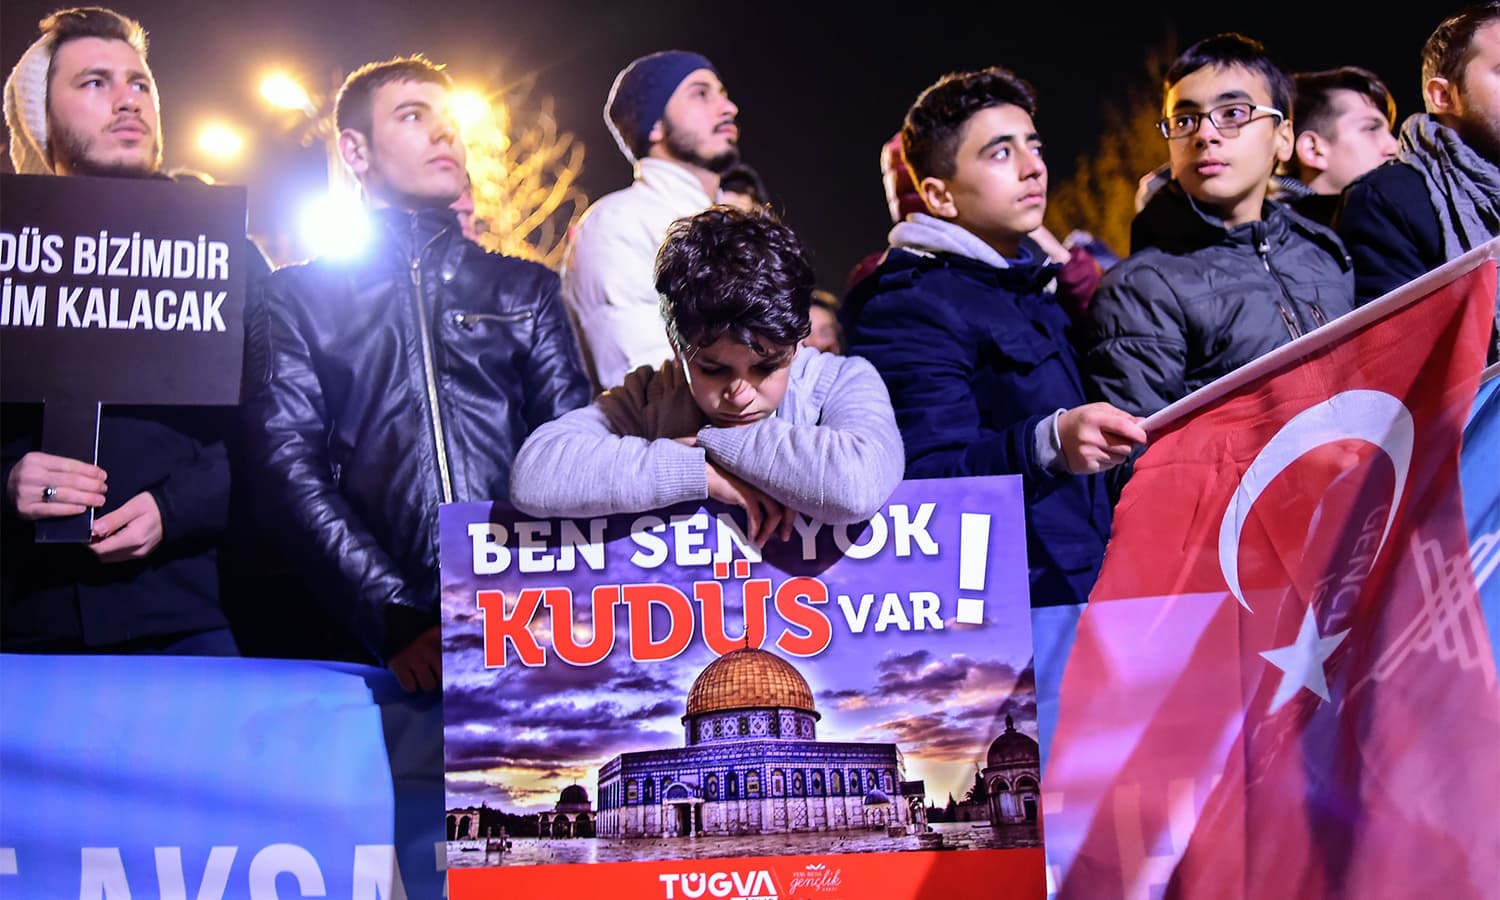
{"x": 741, "y": 414}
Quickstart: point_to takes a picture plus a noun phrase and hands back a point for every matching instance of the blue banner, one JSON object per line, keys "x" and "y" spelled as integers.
{"x": 1479, "y": 469}
{"x": 179, "y": 777}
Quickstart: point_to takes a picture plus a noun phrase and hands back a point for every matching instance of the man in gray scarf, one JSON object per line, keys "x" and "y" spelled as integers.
{"x": 1441, "y": 196}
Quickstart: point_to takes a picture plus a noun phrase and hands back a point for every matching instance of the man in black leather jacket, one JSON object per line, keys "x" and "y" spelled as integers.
{"x": 379, "y": 387}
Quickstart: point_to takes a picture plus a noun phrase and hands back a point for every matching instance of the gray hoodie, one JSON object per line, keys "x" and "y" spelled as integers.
{"x": 832, "y": 450}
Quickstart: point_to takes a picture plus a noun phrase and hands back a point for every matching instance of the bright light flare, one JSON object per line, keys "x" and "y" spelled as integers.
{"x": 283, "y": 91}
{"x": 220, "y": 141}
{"x": 470, "y": 108}
{"x": 334, "y": 224}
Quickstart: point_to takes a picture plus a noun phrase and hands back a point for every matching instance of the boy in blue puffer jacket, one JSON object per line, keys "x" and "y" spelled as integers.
{"x": 976, "y": 354}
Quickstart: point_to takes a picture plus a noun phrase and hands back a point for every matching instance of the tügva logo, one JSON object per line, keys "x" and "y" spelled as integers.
{"x": 753, "y": 885}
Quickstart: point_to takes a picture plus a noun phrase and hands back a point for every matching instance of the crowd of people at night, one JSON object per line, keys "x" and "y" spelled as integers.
{"x": 684, "y": 350}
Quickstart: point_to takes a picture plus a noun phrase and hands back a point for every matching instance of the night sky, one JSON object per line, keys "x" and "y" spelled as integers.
{"x": 820, "y": 85}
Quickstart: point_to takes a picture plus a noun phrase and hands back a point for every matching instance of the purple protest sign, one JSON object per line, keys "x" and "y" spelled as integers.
{"x": 855, "y": 689}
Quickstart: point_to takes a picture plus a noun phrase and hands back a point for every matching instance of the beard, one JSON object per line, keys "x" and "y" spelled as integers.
{"x": 1483, "y": 136}
{"x": 683, "y": 148}
{"x": 73, "y": 150}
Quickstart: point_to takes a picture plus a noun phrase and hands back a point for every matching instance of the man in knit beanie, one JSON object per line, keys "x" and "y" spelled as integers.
{"x": 82, "y": 101}
{"x": 674, "y": 121}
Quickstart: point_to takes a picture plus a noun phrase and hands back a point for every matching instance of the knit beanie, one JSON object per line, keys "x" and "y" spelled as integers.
{"x": 26, "y": 109}
{"x": 640, "y": 93}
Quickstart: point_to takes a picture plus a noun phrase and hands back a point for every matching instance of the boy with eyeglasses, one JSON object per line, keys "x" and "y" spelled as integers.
{"x": 1218, "y": 274}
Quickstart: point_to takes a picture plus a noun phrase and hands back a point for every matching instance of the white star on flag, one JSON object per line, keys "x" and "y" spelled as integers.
{"x": 1301, "y": 662}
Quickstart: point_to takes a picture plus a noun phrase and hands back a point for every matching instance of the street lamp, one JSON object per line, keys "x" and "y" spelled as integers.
{"x": 470, "y": 108}
{"x": 285, "y": 92}
{"x": 334, "y": 222}
{"x": 220, "y": 141}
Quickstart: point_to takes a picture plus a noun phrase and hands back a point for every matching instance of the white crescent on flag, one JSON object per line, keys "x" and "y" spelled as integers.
{"x": 1372, "y": 416}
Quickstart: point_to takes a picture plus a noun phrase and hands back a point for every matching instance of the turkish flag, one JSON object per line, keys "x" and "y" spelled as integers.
{"x": 1282, "y": 685}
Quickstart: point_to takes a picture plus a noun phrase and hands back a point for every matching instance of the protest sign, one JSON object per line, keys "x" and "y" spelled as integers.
{"x": 650, "y": 706}
{"x": 117, "y": 290}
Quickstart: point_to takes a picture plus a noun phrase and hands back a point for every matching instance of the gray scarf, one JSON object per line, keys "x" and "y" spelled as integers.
{"x": 1464, "y": 188}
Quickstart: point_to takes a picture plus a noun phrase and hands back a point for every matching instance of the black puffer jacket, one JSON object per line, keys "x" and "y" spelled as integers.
{"x": 379, "y": 388}
{"x": 1195, "y": 300}
{"x": 1386, "y": 220}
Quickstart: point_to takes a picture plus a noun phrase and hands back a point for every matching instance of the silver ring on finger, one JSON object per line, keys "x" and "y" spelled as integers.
{"x": 48, "y": 493}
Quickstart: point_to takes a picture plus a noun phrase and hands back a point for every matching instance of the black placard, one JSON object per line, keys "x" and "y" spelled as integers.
{"x": 116, "y": 290}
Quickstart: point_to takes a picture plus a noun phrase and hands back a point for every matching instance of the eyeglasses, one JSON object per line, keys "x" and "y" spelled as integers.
{"x": 1228, "y": 119}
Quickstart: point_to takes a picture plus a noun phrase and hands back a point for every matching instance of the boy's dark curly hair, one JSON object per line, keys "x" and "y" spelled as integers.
{"x": 725, "y": 272}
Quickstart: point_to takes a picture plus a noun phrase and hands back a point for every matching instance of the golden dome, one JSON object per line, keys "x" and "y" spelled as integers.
{"x": 747, "y": 678}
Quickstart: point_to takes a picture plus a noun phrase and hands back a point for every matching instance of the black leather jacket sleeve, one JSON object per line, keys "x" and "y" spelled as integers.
{"x": 284, "y": 419}
{"x": 555, "y": 379}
